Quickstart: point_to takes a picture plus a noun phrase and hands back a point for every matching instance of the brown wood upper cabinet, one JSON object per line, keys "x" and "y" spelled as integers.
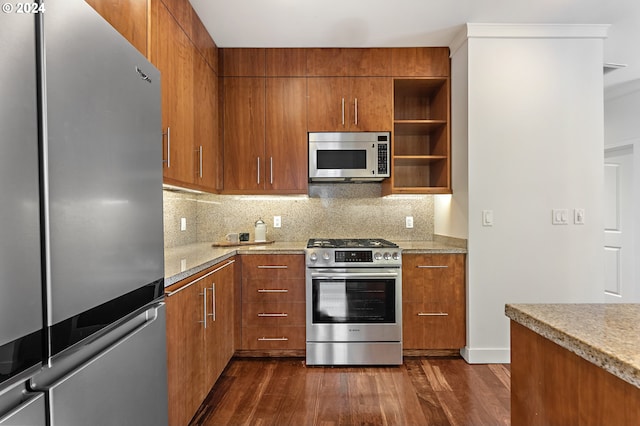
{"x": 330, "y": 62}
{"x": 265, "y": 135}
{"x": 128, "y": 17}
{"x": 349, "y": 104}
{"x": 189, "y": 104}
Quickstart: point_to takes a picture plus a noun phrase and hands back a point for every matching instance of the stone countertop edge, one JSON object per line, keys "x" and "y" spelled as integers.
{"x": 607, "y": 335}
{"x": 184, "y": 261}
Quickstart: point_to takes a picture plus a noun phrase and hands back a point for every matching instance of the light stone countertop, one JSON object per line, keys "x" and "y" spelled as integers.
{"x": 607, "y": 335}
{"x": 183, "y": 261}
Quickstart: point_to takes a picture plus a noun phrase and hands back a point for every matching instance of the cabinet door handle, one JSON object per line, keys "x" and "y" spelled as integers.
{"x": 258, "y": 170}
{"x": 343, "y": 111}
{"x": 213, "y": 301}
{"x": 272, "y": 339}
{"x": 204, "y": 307}
{"x": 271, "y": 169}
{"x": 275, "y": 290}
{"x": 355, "y": 109}
{"x": 168, "y": 160}
{"x": 272, "y": 266}
{"x": 200, "y": 161}
{"x": 269, "y": 315}
{"x": 433, "y": 314}
{"x": 432, "y": 266}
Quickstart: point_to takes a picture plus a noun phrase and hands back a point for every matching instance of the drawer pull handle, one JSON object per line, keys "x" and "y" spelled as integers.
{"x": 433, "y": 314}
{"x": 272, "y": 266}
{"x": 267, "y": 315}
{"x": 432, "y": 266}
{"x": 275, "y": 290}
{"x": 273, "y": 339}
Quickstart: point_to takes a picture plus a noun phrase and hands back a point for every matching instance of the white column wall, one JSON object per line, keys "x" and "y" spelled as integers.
{"x": 534, "y": 135}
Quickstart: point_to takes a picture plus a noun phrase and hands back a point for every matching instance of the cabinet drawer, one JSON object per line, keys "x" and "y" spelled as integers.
{"x": 273, "y": 314}
{"x": 273, "y": 266}
{"x": 433, "y": 278}
{"x": 273, "y": 338}
{"x": 432, "y": 326}
{"x": 267, "y": 290}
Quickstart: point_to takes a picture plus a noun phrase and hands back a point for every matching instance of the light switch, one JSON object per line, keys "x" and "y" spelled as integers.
{"x": 560, "y": 217}
{"x": 487, "y": 217}
{"x": 578, "y": 216}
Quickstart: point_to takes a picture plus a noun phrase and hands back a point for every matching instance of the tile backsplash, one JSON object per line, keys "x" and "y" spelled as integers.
{"x": 330, "y": 210}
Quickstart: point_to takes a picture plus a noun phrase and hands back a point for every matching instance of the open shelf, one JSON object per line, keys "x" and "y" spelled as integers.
{"x": 421, "y": 137}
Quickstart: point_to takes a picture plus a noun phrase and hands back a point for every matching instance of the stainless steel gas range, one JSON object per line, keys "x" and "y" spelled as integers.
{"x": 354, "y": 302}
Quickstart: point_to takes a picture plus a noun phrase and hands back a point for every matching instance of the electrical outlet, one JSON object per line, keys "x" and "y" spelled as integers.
{"x": 183, "y": 223}
{"x": 409, "y": 221}
{"x": 277, "y": 221}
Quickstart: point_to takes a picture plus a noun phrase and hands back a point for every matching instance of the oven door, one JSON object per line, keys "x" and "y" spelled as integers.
{"x": 354, "y": 305}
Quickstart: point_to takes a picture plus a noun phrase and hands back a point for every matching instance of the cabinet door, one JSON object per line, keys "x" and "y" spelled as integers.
{"x": 326, "y": 104}
{"x": 286, "y": 135}
{"x": 244, "y": 134}
{"x": 173, "y": 56}
{"x": 128, "y": 17}
{"x": 433, "y": 301}
{"x": 185, "y": 352}
{"x": 219, "y": 339}
{"x": 205, "y": 101}
{"x": 370, "y": 102}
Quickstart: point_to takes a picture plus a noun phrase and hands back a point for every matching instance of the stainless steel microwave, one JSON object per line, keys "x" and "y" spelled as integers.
{"x": 349, "y": 156}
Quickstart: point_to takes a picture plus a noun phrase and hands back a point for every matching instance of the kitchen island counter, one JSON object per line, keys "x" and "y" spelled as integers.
{"x": 575, "y": 364}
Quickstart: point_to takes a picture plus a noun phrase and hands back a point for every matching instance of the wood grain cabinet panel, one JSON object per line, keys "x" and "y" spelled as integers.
{"x": 128, "y": 17}
{"x": 349, "y": 62}
{"x": 273, "y": 319}
{"x": 200, "y": 337}
{"x": 420, "y": 62}
{"x": 243, "y": 62}
{"x": 433, "y": 301}
{"x": 290, "y": 62}
{"x": 265, "y": 135}
{"x": 349, "y": 104}
{"x": 173, "y": 54}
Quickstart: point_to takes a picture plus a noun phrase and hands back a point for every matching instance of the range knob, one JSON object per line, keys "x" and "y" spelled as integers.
{"x": 313, "y": 257}
{"x": 396, "y": 255}
{"x": 326, "y": 255}
{"x": 377, "y": 256}
{"x": 387, "y": 256}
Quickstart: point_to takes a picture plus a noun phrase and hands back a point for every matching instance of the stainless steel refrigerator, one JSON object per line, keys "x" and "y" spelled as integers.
{"x": 82, "y": 317}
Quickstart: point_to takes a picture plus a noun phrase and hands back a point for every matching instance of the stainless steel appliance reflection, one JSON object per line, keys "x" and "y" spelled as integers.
{"x": 82, "y": 324}
{"x": 353, "y": 302}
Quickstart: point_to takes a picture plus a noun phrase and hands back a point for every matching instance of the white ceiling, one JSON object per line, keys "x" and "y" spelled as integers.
{"x": 394, "y": 23}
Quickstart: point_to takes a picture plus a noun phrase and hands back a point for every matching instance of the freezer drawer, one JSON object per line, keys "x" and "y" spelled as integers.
{"x": 118, "y": 379}
{"x": 30, "y": 413}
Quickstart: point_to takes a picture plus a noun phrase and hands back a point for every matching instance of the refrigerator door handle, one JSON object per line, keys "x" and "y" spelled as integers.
{"x": 78, "y": 358}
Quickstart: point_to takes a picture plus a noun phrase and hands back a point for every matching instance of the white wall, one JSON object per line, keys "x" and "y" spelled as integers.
{"x": 534, "y": 135}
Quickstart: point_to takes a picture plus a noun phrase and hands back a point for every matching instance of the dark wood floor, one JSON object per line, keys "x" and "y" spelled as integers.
{"x": 423, "y": 391}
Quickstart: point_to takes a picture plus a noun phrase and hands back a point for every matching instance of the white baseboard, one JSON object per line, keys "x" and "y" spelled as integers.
{"x": 486, "y": 355}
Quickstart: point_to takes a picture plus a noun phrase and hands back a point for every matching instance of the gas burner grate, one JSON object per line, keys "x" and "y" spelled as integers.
{"x": 350, "y": 243}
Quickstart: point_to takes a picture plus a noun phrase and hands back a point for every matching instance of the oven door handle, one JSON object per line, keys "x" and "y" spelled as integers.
{"x": 354, "y": 275}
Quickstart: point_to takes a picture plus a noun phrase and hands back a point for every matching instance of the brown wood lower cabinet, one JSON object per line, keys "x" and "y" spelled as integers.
{"x": 200, "y": 337}
{"x": 433, "y": 301}
{"x": 273, "y": 305}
